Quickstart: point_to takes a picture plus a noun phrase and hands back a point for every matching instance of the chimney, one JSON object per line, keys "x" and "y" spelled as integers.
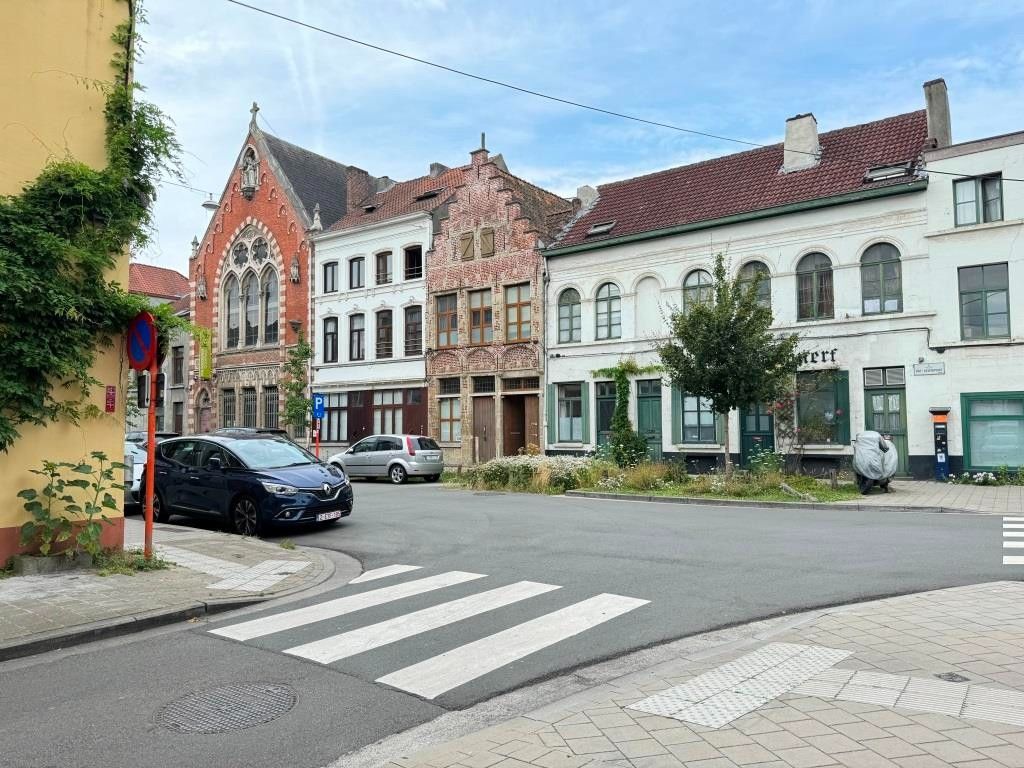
{"x": 587, "y": 196}
{"x": 802, "y": 150}
{"x": 436, "y": 169}
{"x": 359, "y": 185}
{"x": 936, "y": 104}
{"x": 383, "y": 184}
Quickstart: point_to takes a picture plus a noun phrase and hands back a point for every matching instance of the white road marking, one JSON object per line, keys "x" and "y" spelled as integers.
{"x": 1013, "y": 519}
{"x": 1013, "y": 526}
{"x": 1013, "y": 544}
{"x": 383, "y": 573}
{"x": 1008, "y": 534}
{"x": 432, "y": 677}
{"x": 1013, "y": 560}
{"x": 330, "y": 609}
{"x": 346, "y": 644}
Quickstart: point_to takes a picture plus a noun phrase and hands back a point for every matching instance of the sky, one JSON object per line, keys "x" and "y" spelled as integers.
{"x": 736, "y": 69}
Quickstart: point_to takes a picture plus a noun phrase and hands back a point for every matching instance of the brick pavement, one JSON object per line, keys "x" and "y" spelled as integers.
{"x": 210, "y": 568}
{"x": 995, "y": 499}
{"x": 973, "y": 636}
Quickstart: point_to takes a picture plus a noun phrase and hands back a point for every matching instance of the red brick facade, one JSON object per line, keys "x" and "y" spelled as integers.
{"x": 276, "y": 217}
{"x": 499, "y": 392}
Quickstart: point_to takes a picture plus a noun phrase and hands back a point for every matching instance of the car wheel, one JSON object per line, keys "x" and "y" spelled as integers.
{"x": 433, "y": 478}
{"x": 397, "y": 474}
{"x": 161, "y": 514}
{"x": 245, "y": 517}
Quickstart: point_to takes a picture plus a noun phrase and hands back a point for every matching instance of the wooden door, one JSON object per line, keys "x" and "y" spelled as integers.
{"x": 531, "y": 405}
{"x": 483, "y": 428}
{"x": 513, "y": 420}
{"x": 648, "y": 415}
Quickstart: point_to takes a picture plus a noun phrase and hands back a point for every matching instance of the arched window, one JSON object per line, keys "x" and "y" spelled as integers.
{"x": 697, "y": 289}
{"x": 814, "y": 287}
{"x": 881, "y": 281}
{"x": 570, "y": 316}
{"x": 750, "y": 272}
{"x": 231, "y": 312}
{"x": 240, "y": 254}
{"x": 251, "y": 302}
{"x": 609, "y": 312}
{"x": 271, "y": 307}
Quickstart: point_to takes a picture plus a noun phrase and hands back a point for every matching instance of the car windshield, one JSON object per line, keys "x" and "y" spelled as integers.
{"x": 270, "y": 453}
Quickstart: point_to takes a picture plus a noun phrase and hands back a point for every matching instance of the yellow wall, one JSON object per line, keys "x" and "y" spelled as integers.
{"x": 52, "y": 49}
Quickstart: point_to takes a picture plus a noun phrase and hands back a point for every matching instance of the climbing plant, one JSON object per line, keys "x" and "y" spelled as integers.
{"x": 627, "y": 446}
{"x": 60, "y": 240}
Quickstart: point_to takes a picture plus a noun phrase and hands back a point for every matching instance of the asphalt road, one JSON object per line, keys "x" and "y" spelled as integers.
{"x": 699, "y": 568}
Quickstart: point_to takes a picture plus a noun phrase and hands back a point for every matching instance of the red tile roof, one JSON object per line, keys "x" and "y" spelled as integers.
{"x": 156, "y": 282}
{"x": 400, "y": 199}
{"x": 184, "y": 304}
{"x": 750, "y": 181}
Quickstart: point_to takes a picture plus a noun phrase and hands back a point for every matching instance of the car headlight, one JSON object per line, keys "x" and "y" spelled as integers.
{"x": 279, "y": 489}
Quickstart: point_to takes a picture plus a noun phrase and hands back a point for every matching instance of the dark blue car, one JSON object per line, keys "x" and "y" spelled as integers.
{"x": 250, "y": 481}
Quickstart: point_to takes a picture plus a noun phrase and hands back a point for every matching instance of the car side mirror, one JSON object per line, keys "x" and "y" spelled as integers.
{"x": 350, "y": 450}
{"x": 214, "y": 462}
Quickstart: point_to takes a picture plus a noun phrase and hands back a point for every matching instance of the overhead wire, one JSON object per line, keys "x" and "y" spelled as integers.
{"x": 559, "y": 99}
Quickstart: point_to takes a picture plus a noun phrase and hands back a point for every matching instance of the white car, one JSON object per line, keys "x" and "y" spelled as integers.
{"x": 135, "y": 461}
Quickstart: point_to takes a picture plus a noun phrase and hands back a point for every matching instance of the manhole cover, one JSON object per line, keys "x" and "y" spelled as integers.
{"x": 953, "y": 677}
{"x": 227, "y": 708}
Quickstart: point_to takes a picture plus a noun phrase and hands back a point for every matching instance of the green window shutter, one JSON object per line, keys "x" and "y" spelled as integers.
{"x": 552, "y": 405}
{"x": 842, "y": 384}
{"x": 677, "y": 416}
{"x": 585, "y": 404}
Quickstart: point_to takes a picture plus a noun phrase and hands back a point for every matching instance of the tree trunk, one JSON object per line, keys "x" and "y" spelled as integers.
{"x": 725, "y": 444}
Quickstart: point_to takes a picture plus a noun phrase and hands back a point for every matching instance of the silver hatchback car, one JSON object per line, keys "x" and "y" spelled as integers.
{"x": 396, "y": 457}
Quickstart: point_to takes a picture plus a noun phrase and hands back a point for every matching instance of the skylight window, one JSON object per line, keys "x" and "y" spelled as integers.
{"x": 429, "y": 194}
{"x": 601, "y": 229}
{"x": 369, "y": 208}
{"x": 884, "y": 172}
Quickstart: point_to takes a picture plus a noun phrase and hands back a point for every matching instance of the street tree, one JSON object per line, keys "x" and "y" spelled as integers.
{"x": 723, "y": 350}
{"x": 296, "y": 383}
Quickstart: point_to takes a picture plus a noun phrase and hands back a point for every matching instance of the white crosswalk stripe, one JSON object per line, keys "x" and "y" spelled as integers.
{"x": 1013, "y": 529}
{"x": 383, "y": 573}
{"x": 278, "y": 622}
{"x": 431, "y": 677}
{"x": 347, "y": 644}
{"x": 453, "y": 668}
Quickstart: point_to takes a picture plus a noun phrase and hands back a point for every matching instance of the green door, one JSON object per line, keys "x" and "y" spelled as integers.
{"x": 605, "y": 410}
{"x": 885, "y": 409}
{"x": 648, "y": 415}
{"x": 757, "y": 431}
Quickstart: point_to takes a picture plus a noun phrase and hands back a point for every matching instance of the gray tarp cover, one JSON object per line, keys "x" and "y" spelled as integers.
{"x": 874, "y": 456}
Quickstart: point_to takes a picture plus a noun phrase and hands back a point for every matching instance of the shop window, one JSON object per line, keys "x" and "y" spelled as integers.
{"x": 823, "y": 407}
{"x": 993, "y": 429}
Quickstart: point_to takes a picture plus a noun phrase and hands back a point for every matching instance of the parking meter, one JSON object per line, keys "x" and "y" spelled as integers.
{"x": 940, "y": 430}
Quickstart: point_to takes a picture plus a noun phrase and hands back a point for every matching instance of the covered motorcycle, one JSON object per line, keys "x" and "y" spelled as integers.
{"x": 875, "y": 460}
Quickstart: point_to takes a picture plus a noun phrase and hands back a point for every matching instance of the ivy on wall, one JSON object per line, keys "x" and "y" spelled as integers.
{"x": 59, "y": 241}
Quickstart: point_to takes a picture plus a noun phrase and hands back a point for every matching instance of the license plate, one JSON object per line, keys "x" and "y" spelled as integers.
{"x": 332, "y": 515}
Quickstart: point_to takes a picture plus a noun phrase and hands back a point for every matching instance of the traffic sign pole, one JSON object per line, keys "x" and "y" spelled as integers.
{"x": 317, "y": 431}
{"x": 150, "y": 457}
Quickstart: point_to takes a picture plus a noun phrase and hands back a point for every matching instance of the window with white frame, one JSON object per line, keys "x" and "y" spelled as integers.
{"x": 387, "y": 411}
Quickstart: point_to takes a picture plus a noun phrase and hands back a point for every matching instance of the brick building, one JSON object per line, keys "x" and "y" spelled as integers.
{"x": 484, "y": 318}
{"x": 250, "y": 275}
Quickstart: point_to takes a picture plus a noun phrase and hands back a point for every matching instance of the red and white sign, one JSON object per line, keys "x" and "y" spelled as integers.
{"x": 111, "y": 403}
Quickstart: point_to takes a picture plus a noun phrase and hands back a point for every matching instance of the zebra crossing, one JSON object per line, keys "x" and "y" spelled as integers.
{"x": 1013, "y": 539}
{"x": 473, "y": 650}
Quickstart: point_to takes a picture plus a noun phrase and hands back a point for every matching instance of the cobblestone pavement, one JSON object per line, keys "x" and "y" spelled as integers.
{"x": 927, "y": 680}
{"x": 994, "y": 499}
{"x": 209, "y": 567}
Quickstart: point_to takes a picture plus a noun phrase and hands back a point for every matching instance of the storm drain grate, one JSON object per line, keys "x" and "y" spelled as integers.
{"x": 953, "y": 677}
{"x": 227, "y": 708}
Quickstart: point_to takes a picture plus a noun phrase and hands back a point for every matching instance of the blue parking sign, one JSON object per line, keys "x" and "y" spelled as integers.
{"x": 318, "y": 405}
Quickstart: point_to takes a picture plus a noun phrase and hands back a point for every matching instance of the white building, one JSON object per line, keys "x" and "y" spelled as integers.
{"x": 368, "y": 310}
{"x": 863, "y": 259}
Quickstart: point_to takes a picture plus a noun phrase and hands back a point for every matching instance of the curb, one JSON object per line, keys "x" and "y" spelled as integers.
{"x": 126, "y": 625}
{"x": 712, "y": 502}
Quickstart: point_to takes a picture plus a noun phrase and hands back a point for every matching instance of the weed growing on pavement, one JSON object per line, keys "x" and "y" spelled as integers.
{"x": 126, "y": 562}
{"x": 287, "y": 544}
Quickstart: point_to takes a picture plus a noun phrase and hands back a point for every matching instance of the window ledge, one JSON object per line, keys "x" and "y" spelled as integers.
{"x": 837, "y": 447}
{"x": 698, "y": 446}
{"x": 976, "y": 227}
{"x": 574, "y": 446}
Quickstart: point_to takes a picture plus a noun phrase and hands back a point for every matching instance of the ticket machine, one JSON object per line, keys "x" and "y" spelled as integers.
{"x": 940, "y": 430}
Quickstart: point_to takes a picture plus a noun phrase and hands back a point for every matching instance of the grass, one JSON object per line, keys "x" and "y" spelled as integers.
{"x": 127, "y": 562}
{"x": 287, "y": 544}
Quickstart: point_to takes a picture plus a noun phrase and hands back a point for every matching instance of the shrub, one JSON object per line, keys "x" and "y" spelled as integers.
{"x": 540, "y": 474}
{"x": 763, "y": 460}
{"x": 645, "y": 477}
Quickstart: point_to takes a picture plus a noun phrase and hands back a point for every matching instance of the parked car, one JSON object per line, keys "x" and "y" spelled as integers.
{"x": 235, "y": 431}
{"x": 138, "y": 436}
{"x": 250, "y": 481}
{"x": 135, "y": 463}
{"x": 397, "y": 457}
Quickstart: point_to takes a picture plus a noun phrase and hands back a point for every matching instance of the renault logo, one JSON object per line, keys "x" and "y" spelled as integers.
{"x": 327, "y": 487}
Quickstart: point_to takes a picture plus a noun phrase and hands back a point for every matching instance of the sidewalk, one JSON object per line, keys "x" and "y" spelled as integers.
{"x": 993, "y": 499}
{"x": 928, "y": 680}
{"x": 212, "y": 571}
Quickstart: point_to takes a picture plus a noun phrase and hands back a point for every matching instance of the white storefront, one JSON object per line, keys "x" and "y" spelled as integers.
{"x": 891, "y": 352}
{"x": 368, "y": 308}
